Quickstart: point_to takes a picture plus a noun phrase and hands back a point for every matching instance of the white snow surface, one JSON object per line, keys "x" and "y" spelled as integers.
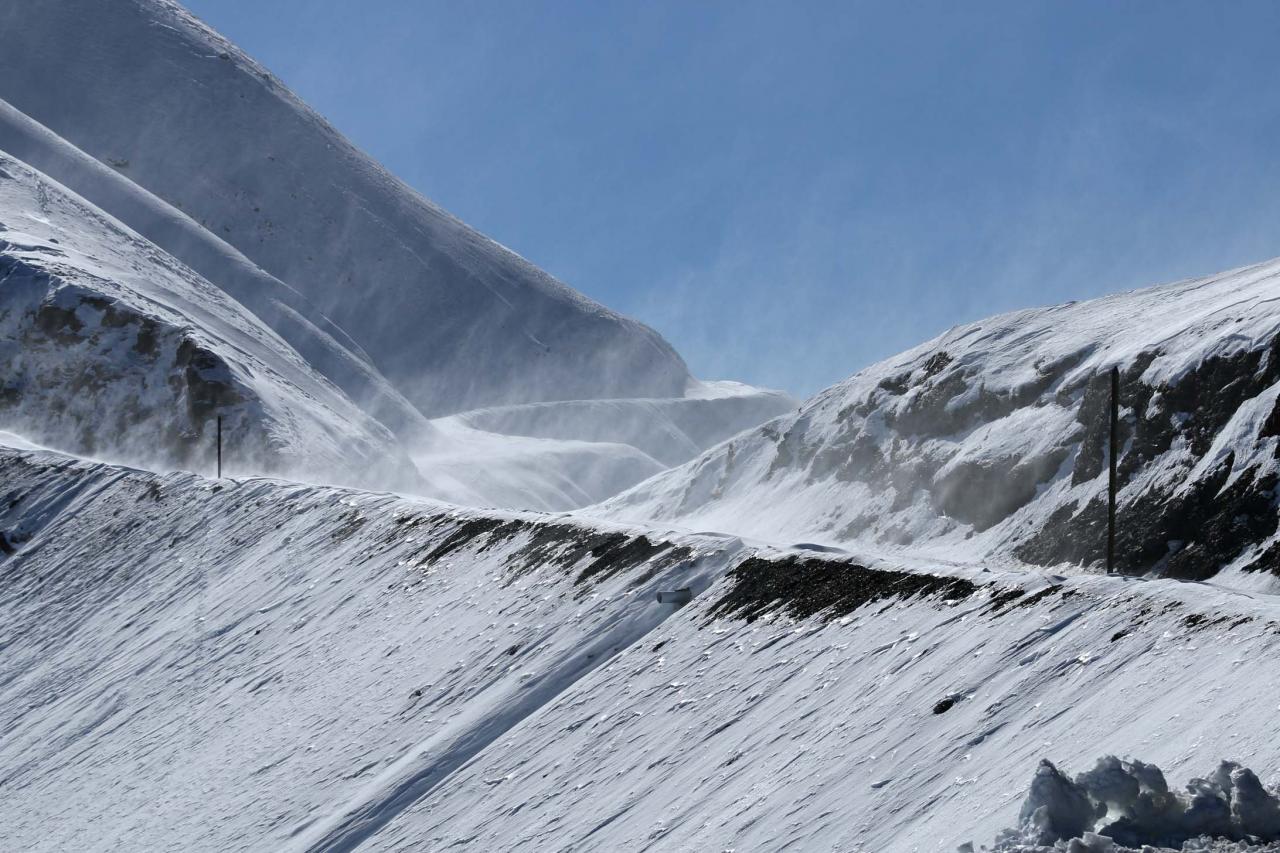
{"x": 250, "y": 664}
{"x": 1003, "y": 395}
{"x": 868, "y": 663}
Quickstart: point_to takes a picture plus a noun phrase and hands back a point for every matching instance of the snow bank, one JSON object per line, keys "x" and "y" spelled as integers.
{"x": 1121, "y": 805}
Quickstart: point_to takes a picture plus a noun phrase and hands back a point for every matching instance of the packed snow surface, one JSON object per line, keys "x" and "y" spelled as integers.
{"x": 249, "y": 664}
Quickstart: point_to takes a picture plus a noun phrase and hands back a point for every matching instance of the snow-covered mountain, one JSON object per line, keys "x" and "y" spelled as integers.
{"x": 158, "y": 123}
{"x": 875, "y": 624}
{"x": 451, "y": 318}
{"x": 112, "y": 347}
{"x": 315, "y": 338}
{"x": 991, "y": 441}
{"x": 254, "y": 665}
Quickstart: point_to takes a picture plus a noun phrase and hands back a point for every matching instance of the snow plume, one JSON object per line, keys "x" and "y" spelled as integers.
{"x": 1120, "y": 806}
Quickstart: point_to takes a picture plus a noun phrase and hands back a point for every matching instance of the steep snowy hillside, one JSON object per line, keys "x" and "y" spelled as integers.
{"x": 253, "y": 665}
{"x": 324, "y": 346}
{"x": 110, "y": 346}
{"x": 991, "y": 441}
{"x": 161, "y": 124}
{"x": 451, "y": 318}
{"x": 543, "y": 456}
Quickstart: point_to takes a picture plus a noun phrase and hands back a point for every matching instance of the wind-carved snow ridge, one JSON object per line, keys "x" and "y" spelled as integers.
{"x": 272, "y": 665}
{"x": 1119, "y": 806}
{"x": 548, "y": 456}
{"x": 450, "y": 318}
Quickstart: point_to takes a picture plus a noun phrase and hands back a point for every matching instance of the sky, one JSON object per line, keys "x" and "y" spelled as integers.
{"x": 791, "y": 191}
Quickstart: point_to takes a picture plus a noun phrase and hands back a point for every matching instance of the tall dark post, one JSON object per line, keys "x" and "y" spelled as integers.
{"x": 1113, "y": 467}
{"x": 1111, "y": 483}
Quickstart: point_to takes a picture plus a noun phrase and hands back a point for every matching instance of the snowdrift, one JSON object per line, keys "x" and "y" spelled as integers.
{"x": 565, "y": 455}
{"x": 250, "y": 664}
{"x": 990, "y": 441}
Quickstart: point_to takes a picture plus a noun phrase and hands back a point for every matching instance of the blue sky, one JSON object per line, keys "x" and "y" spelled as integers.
{"x": 792, "y": 191}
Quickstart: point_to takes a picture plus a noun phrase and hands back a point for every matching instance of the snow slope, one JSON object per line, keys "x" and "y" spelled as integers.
{"x": 110, "y": 346}
{"x": 991, "y": 441}
{"x": 161, "y": 124}
{"x": 671, "y": 430}
{"x": 545, "y": 456}
{"x": 247, "y": 665}
{"x": 451, "y": 318}
{"x": 573, "y": 453}
{"x": 324, "y": 346}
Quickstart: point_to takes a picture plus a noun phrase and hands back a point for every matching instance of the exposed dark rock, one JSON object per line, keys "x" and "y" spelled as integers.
{"x": 208, "y": 382}
{"x": 1004, "y": 599}
{"x": 805, "y": 586}
{"x": 553, "y": 543}
{"x": 1180, "y": 530}
{"x": 146, "y": 344}
{"x": 468, "y": 531}
{"x": 58, "y": 324}
{"x": 936, "y": 363}
{"x": 1033, "y": 600}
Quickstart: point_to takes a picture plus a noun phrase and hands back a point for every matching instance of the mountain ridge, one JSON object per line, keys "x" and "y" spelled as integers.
{"x": 990, "y": 439}
{"x": 189, "y": 117}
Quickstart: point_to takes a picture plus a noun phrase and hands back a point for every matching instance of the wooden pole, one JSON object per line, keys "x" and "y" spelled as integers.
{"x": 220, "y": 449}
{"x": 1111, "y": 483}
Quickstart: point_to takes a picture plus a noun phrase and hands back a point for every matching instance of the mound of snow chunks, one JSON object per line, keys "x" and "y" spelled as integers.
{"x": 1127, "y": 807}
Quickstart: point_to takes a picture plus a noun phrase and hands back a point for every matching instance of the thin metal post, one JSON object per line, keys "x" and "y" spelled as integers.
{"x": 220, "y": 450}
{"x": 1111, "y": 484}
